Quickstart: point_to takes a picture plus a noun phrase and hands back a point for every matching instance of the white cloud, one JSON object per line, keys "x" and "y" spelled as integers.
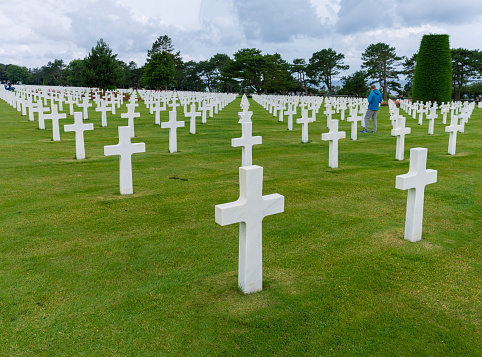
{"x": 68, "y": 29}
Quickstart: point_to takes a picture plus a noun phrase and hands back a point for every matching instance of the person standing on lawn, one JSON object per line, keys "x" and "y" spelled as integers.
{"x": 374, "y": 100}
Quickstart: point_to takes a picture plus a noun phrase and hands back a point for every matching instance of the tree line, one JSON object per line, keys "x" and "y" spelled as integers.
{"x": 248, "y": 70}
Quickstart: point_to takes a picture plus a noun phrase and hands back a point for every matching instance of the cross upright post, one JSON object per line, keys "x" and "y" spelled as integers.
{"x": 415, "y": 181}
{"x": 354, "y": 120}
{"x": 156, "y": 109}
{"x": 130, "y": 115}
{"x": 40, "y": 109}
{"x": 400, "y": 131}
{"x": 246, "y": 141}
{"x": 85, "y": 105}
{"x": 304, "y": 121}
{"x": 125, "y": 149}
{"x": 249, "y": 211}
{"x": 431, "y": 119}
{"x": 55, "y": 116}
{"x": 192, "y": 114}
{"x": 328, "y": 112}
{"x": 453, "y": 128}
{"x": 172, "y": 125}
{"x": 290, "y": 112}
{"x": 79, "y": 127}
{"x": 103, "y": 108}
{"x": 333, "y": 136}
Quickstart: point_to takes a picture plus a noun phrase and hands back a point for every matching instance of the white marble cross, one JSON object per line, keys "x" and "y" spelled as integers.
{"x": 203, "y": 107}
{"x": 328, "y": 112}
{"x": 55, "y": 116}
{"x": 415, "y": 181}
{"x": 249, "y": 211}
{"x": 40, "y": 109}
{"x": 464, "y": 118}
{"x": 130, "y": 115}
{"x": 85, "y": 105}
{"x": 290, "y": 112}
{"x": 304, "y": 121}
{"x": 354, "y": 120}
{"x": 333, "y": 136}
{"x": 70, "y": 101}
{"x": 156, "y": 109}
{"x": 246, "y": 141}
{"x": 453, "y": 128}
{"x": 431, "y": 119}
{"x": 192, "y": 114}
{"x": 400, "y": 131}
{"x": 172, "y": 125}
{"x": 104, "y": 109}
{"x": 125, "y": 149}
{"x": 79, "y": 127}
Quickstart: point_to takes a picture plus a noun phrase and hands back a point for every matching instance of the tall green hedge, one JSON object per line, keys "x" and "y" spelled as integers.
{"x": 432, "y": 79}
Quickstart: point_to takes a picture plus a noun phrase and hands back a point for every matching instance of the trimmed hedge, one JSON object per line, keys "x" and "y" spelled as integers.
{"x": 432, "y": 79}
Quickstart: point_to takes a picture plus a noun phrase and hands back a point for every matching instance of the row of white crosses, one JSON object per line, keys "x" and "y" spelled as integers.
{"x": 125, "y": 148}
{"x": 457, "y": 109}
{"x": 251, "y": 206}
{"x": 249, "y": 209}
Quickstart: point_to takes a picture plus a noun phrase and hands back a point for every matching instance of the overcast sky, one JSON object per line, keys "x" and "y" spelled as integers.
{"x": 34, "y": 32}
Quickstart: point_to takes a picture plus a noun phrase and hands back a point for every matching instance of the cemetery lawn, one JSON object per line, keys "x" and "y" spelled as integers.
{"x": 85, "y": 271}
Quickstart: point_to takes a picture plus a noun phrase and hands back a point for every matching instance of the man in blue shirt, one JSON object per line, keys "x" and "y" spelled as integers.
{"x": 374, "y": 100}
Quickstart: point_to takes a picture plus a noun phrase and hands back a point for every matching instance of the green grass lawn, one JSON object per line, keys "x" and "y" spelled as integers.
{"x": 85, "y": 271}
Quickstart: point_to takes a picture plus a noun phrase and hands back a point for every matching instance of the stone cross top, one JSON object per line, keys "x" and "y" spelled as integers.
{"x": 104, "y": 108}
{"x": 125, "y": 149}
{"x": 431, "y": 117}
{"x": 85, "y": 105}
{"x": 304, "y": 121}
{"x": 333, "y": 136}
{"x": 415, "y": 181}
{"x": 55, "y": 116}
{"x": 400, "y": 131}
{"x": 172, "y": 125}
{"x": 249, "y": 211}
{"x": 192, "y": 114}
{"x": 79, "y": 127}
{"x": 453, "y": 128}
{"x": 290, "y": 112}
{"x": 246, "y": 141}
{"x": 354, "y": 119}
{"x": 130, "y": 115}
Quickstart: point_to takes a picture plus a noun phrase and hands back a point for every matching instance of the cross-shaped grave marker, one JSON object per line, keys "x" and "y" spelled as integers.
{"x": 85, "y": 105}
{"x": 304, "y": 121}
{"x": 156, "y": 109}
{"x": 79, "y": 127}
{"x": 290, "y": 112}
{"x": 40, "y": 109}
{"x": 333, "y": 136}
{"x": 431, "y": 119}
{"x": 415, "y": 181}
{"x": 70, "y": 101}
{"x": 354, "y": 120}
{"x": 246, "y": 141}
{"x": 104, "y": 109}
{"x": 400, "y": 131}
{"x": 249, "y": 211}
{"x": 125, "y": 149}
{"x": 453, "y": 128}
{"x": 192, "y": 114}
{"x": 172, "y": 125}
{"x": 55, "y": 116}
{"x": 328, "y": 112}
{"x": 130, "y": 115}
